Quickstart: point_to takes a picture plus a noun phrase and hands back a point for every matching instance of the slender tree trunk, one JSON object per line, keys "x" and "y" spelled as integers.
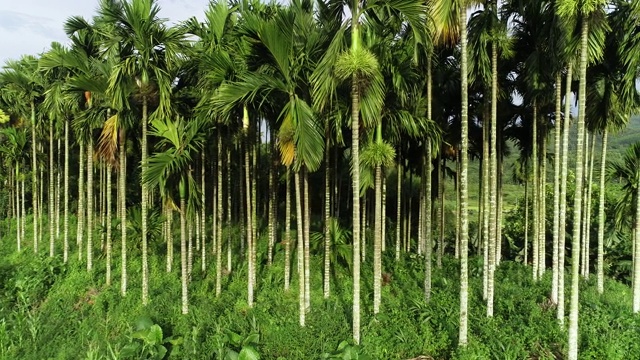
{"x": 144, "y": 204}
{"x": 399, "y": 210}
{"x": 542, "y": 257}
{"x": 65, "y": 246}
{"x": 123, "y": 212}
{"x": 536, "y": 194}
{"x": 327, "y": 218}
{"x": 442, "y": 215}
{"x": 307, "y": 251}
{"x": 636, "y": 256}
{"x": 189, "y": 243}
{"x": 81, "y": 199}
{"x": 229, "y": 232}
{"x": 377, "y": 241}
{"x": 583, "y": 223}
{"x": 587, "y": 234}
{"x": 485, "y": 170}
{"x": 24, "y": 210}
{"x": 526, "y": 219}
{"x": 493, "y": 180}
{"x": 383, "y": 231}
{"x": 421, "y": 207}
{"x": 428, "y": 253}
{"x": 51, "y": 206}
{"x": 556, "y": 188}
{"x": 203, "y": 218}
{"x": 108, "y": 224}
{"x": 18, "y": 208}
{"x": 577, "y": 208}
{"x": 464, "y": 220}
{"x": 90, "y": 205}
{"x": 220, "y": 214}
{"x": 363, "y": 225}
{"x": 249, "y": 212}
{"x": 287, "y": 234}
{"x": 183, "y": 250}
{"x": 300, "y": 257}
{"x": 601, "y": 213}
{"x": 272, "y": 192}
{"x": 355, "y": 184}
{"x": 563, "y": 197}
{"x": 34, "y": 177}
{"x": 169, "y": 239}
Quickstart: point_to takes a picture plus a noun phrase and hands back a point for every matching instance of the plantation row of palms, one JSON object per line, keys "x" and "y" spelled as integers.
{"x": 249, "y": 113}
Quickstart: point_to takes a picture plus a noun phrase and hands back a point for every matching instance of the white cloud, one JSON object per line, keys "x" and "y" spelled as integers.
{"x": 29, "y": 26}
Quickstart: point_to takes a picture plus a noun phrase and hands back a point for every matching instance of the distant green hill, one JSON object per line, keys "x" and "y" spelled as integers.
{"x": 618, "y": 143}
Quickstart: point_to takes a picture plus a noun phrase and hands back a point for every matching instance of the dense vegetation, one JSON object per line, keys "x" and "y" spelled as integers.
{"x": 404, "y": 179}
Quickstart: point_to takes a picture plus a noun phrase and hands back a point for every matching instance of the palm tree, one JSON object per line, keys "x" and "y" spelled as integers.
{"x": 627, "y": 171}
{"x": 450, "y": 17}
{"x": 22, "y": 76}
{"x": 583, "y": 9}
{"x": 148, "y": 46}
{"x": 171, "y": 171}
{"x": 273, "y": 45}
{"x": 359, "y": 66}
{"x": 614, "y": 99}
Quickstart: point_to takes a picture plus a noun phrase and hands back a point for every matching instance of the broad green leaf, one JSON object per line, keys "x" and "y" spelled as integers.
{"x": 248, "y": 353}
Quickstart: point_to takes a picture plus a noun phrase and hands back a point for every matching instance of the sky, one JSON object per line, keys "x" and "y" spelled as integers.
{"x": 29, "y": 26}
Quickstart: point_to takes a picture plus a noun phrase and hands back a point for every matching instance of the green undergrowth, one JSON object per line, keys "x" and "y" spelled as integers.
{"x": 49, "y": 310}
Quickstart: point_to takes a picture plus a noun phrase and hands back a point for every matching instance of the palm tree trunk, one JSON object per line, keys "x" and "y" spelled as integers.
{"x": 169, "y": 212}
{"x": 300, "y": 257}
{"x": 34, "y": 177}
{"x": 144, "y": 204}
{"x": 81, "y": 199}
{"x": 65, "y": 246}
{"x": 442, "y": 214}
{"x": 377, "y": 241}
{"x": 577, "y": 208}
{"x": 583, "y": 223}
{"x": 183, "y": 250}
{"x": 90, "y": 204}
{"x": 123, "y": 212}
{"x": 307, "y": 255}
{"x": 18, "y": 207}
{"x": 587, "y": 231}
{"x": 355, "y": 182}
{"x": 229, "y": 208}
{"x": 383, "y": 231}
{"x": 189, "y": 244}
{"x": 556, "y": 188}
{"x": 526, "y": 219}
{"x": 108, "y": 224}
{"x": 464, "y": 218}
{"x": 601, "y": 214}
{"x": 51, "y": 206}
{"x": 203, "y": 219}
{"x": 327, "y": 218}
{"x": 272, "y": 191}
{"x": 563, "y": 197}
{"x": 485, "y": 170}
{"x": 536, "y": 193}
{"x": 428, "y": 251}
{"x": 363, "y": 226}
{"x": 636, "y": 256}
{"x": 287, "y": 234}
{"x": 421, "y": 211}
{"x": 249, "y": 212}
{"x": 24, "y": 210}
{"x": 398, "y": 210}
{"x": 220, "y": 214}
{"x": 493, "y": 180}
{"x": 542, "y": 256}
